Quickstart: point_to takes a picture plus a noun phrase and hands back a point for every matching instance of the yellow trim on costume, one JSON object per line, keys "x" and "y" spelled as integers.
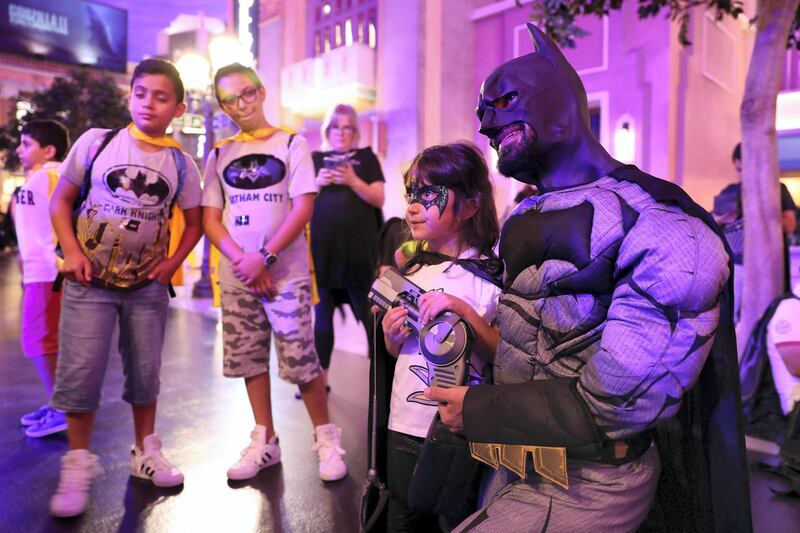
{"x": 53, "y": 176}
{"x": 164, "y": 141}
{"x": 177, "y": 225}
{"x": 255, "y": 135}
{"x": 214, "y": 257}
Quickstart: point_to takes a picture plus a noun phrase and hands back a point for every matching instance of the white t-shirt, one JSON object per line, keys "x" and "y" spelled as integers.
{"x": 409, "y": 412}
{"x": 784, "y": 328}
{"x": 254, "y": 183}
{"x": 35, "y": 234}
{"x": 123, "y": 226}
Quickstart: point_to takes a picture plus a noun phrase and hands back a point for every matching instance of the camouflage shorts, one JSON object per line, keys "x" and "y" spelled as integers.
{"x": 248, "y": 322}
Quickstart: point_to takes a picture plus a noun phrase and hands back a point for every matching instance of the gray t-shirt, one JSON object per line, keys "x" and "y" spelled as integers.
{"x": 123, "y": 226}
{"x": 254, "y": 183}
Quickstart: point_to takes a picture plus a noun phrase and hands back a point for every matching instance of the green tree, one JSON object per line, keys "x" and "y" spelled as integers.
{"x": 80, "y": 101}
{"x": 777, "y": 24}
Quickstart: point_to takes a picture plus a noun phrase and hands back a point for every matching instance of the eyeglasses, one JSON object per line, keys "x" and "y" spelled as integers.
{"x": 345, "y": 128}
{"x": 248, "y": 96}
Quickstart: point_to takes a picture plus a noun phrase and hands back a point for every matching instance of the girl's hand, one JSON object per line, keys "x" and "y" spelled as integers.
{"x": 395, "y": 330}
{"x": 434, "y": 303}
{"x": 324, "y": 178}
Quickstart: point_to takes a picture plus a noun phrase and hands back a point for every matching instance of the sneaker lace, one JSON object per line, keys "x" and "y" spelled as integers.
{"x": 76, "y": 478}
{"x": 157, "y": 460}
{"x": 46, "y": 417}
{"x": 328, "y": 449}
{"x": 253, "y": 452}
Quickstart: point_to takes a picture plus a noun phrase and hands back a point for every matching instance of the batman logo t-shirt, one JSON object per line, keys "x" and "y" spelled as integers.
{"x": 123, "y": 226}
{"x": 254, "y": 183}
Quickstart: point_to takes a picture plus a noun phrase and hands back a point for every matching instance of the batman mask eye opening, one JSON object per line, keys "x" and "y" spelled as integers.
{"x": 505, "y": 101}
{"x": 481, "y": 110}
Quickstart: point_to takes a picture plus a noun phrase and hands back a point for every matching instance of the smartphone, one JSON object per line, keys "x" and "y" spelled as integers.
{"x": 333, "y": 163}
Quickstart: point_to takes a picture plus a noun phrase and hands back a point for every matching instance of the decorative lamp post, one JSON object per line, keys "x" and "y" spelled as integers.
{"x": 196, "y": 71}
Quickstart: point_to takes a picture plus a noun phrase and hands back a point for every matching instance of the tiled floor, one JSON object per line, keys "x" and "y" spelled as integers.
{"x": 204, "y": 421}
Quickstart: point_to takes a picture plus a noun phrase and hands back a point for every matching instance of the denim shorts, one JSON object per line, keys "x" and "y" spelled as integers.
{"x": 88, "y": 319}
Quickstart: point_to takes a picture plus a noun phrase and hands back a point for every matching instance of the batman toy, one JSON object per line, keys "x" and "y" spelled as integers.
{"x": 616, "y": 335}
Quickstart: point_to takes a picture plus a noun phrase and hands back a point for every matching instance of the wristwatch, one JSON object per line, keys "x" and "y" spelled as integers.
{"x": 269, "y": 258}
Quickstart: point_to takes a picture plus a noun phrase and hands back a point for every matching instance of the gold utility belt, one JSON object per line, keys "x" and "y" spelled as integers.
{"x": 549, "y": 462}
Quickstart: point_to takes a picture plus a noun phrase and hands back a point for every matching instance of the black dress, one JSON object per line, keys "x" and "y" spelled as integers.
{"x": 344, "y": 228}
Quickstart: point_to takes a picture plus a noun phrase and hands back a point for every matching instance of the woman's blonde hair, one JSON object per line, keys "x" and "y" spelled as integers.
{"x": 339, "y": 110}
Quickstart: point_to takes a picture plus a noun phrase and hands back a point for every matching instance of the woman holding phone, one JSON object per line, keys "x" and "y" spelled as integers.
{"x": 345, "y": 225}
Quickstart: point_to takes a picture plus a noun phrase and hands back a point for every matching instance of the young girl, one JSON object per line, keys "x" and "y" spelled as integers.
{"x": 450, "y": 208}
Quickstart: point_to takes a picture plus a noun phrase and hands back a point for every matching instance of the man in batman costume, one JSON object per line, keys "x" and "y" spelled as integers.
{"x": 616, "y": 334}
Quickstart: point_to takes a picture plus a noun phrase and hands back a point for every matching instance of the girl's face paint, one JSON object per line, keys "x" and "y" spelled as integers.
{"x": 428, "y": 196}
{"x": 439, "y": 227}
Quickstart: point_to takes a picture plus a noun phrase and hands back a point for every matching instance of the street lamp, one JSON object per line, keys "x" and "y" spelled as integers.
{"x": 196, "y": 71}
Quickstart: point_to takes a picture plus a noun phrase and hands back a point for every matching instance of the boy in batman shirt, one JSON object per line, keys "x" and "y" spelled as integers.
{"x": 258, "y": 197}
{"x": 117, "y": 270}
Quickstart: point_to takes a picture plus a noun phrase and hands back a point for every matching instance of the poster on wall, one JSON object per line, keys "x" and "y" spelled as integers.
{"x": 66, "y": 31}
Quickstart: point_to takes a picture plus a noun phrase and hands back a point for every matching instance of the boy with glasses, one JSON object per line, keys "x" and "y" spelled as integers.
{"x": 258, "y": 196}
{"x": 116, "y": 269}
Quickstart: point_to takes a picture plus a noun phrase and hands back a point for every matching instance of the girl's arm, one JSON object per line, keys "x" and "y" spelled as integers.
{"x": 431, "y": 304}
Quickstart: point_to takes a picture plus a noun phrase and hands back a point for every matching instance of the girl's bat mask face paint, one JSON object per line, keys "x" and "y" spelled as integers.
{"x": 428, "y": 196}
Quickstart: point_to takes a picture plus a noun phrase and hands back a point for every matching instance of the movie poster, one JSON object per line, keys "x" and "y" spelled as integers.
{"x": 66, "y": 31}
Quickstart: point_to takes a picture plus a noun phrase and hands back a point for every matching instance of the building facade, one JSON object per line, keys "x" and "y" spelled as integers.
{"x": 414, "y": 68}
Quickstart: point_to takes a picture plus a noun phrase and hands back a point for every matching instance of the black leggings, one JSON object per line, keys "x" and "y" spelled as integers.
{"x": 329, "y": 299}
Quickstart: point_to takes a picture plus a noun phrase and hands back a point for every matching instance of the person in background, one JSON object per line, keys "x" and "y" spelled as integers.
{"x": 43, "y": 143}
{"x": 729, "y": 215}
{"x": 345, "y": 225}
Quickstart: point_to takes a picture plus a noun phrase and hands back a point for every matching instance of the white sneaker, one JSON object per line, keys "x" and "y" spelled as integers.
{"x": 258, "y": 455}
{"x": 78, "y": 470}
{"x": 328, "y": 446}
{"x": 151, "y": 464}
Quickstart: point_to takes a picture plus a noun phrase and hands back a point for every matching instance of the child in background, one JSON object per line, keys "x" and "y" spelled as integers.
{"x": 450, "y": 207}
{"x": 258, "y": 197}
{"x": 43, "y": 143}
{"x": 116, "y": 269}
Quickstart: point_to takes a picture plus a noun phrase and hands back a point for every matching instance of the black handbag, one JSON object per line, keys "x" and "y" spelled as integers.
{"x": 446, "y": 479}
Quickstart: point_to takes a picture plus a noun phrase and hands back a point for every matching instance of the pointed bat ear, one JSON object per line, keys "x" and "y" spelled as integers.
{"x": 544, "y": 45}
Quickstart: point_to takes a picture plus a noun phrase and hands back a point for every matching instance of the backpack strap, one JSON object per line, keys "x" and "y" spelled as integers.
{"x": 180, "y": 166}
{"x": 98, "y": 146}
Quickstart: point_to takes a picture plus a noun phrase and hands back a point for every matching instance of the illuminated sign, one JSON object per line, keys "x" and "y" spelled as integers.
{"x": 246, "y": 22}
{"x": 66, "y": 31}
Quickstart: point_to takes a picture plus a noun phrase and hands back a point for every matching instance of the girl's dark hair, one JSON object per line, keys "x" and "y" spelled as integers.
{"x": 461, "y": 168}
